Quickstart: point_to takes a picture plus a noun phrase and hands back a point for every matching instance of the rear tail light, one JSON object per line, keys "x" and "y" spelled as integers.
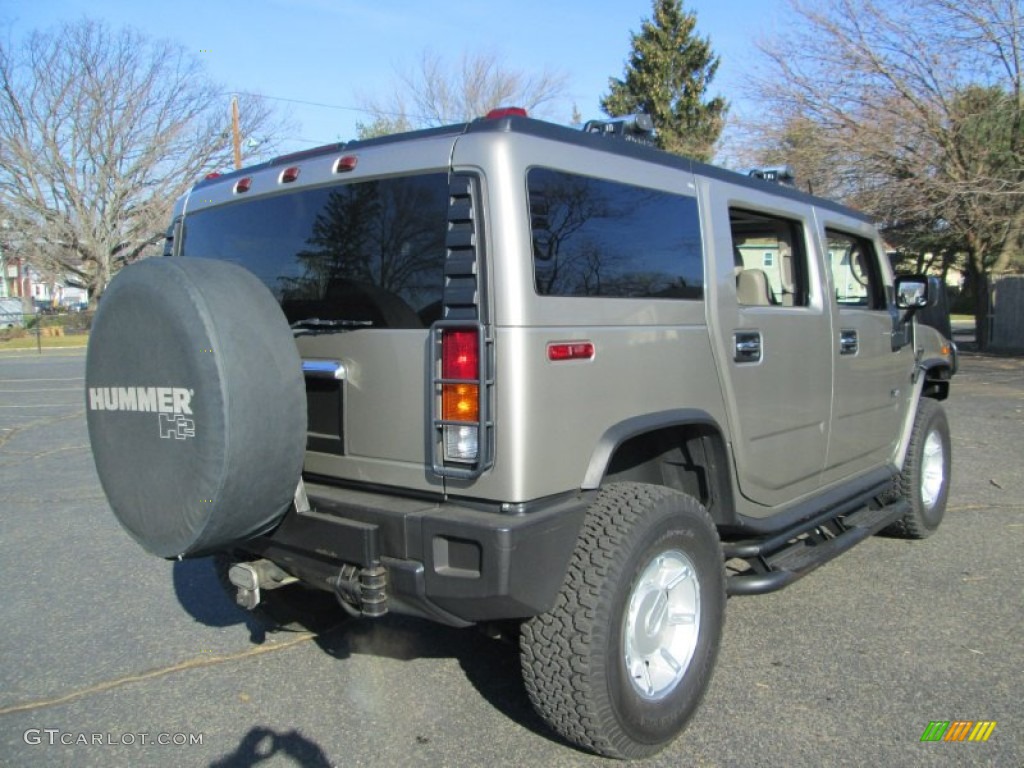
{"x": 460, "y": 394}
{"x": 461, "y": 444}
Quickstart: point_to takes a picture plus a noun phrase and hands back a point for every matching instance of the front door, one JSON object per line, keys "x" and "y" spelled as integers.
{"x": 871, "y": 378}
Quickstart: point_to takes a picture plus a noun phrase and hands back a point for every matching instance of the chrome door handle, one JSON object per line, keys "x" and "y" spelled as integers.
{"x": 848, "y": 343}
{"x": 747, "y": 347}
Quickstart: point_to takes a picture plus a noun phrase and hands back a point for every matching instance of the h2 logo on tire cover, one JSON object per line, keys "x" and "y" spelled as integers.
{"x": 177, "y": 427}
{"x": 172, "y": 404}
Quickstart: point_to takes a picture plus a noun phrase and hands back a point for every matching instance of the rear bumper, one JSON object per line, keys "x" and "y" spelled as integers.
{"x": 447, "y": 561}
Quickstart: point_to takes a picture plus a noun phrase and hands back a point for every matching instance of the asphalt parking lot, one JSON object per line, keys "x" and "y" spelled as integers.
{"x": 107, "y": 652}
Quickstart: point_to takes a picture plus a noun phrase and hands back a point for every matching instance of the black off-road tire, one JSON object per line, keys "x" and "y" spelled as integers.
{"x": 924, "y": 482}
{"x": 574, "y": 657}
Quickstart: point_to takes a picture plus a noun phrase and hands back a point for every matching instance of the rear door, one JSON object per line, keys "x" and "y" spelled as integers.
{"x": 773, "y": 333}
{"x": 355, "y": 254}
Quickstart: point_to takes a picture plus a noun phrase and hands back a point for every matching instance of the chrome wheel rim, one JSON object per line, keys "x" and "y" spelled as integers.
{"x": 662, "y": 625}
{"x": 933, "y": 470}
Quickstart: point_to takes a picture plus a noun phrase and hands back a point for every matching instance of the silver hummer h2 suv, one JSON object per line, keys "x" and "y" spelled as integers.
{"x": 513, "y": 373}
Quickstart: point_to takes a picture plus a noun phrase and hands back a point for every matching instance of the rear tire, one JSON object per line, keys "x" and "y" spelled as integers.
{"x": 924, "y": 482}
{"x": 624, "y": 657}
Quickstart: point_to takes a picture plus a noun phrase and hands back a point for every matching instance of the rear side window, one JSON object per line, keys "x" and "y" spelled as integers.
{"x": 363, "y": 255}
{"x": 595, "y": 237}
{"x": 770, "y": 259}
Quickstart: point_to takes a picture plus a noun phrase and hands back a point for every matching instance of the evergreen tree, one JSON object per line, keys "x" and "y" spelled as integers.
{"x": 667, "y": 75}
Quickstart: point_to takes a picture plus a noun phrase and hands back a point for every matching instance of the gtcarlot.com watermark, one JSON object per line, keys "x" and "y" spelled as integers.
{"x": 54, "y": 737}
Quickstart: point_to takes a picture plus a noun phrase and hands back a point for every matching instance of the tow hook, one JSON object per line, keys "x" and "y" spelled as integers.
{"x": 250, "y": 578}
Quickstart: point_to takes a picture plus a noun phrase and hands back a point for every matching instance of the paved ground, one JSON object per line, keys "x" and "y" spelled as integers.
{"x": 846, "y": 668}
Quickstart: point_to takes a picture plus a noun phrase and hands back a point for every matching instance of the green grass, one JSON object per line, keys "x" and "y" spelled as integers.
{"x": 46, "y": 342}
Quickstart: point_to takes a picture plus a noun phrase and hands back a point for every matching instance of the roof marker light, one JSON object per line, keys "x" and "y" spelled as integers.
{"x": 243, "y": 185}
{"x": 289, "y": 174}
{"x": 346, "y": 163}
{"x": 212, "y": 175}
{"x": 500, "y": 112}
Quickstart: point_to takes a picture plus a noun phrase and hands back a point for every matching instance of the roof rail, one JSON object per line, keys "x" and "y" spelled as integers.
{"x": 638, "y": 128}
{"x": 780, "y": 174}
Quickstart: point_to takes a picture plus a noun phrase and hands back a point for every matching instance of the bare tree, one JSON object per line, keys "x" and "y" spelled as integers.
{"x": 913, "y": 111}
{"x": 100, "y": 131}
{"x": 438, "y": 92}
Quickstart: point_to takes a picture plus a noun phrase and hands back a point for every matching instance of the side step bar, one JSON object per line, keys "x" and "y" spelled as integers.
{"x": 779, "y": 560}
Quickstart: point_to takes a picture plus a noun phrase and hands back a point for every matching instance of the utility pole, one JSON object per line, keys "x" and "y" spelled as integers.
{"x": 236, "y": 135}
{"x": 5, "y": 225}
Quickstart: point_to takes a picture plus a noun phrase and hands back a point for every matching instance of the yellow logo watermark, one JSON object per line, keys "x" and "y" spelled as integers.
{"x": 958, "y": 730}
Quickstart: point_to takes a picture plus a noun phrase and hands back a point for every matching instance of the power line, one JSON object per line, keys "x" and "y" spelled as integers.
{"x": 342, "y": 107}
{"x": 301, "y": 101}
{"x": 299, "y": 139}
{"x": 308, "y": 141}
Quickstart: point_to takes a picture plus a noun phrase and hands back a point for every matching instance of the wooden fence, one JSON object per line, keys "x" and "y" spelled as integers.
{"x": 1006, "y": 318}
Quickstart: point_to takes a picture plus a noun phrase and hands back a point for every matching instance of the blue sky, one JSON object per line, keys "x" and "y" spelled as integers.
{"x": 329, "y": 51}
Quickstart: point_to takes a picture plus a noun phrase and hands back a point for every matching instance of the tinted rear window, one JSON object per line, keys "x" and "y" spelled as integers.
{"x": 369, "y": 253}
{"x": 595, "y": 237}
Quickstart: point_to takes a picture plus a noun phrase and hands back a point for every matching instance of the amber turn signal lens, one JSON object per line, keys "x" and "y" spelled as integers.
{"x": 460, "y": 402}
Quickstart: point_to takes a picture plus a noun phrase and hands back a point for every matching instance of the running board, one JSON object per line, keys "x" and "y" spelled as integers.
{"x": 779, "y": 560}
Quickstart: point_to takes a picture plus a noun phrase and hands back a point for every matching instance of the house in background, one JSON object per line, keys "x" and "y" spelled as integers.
{"x": 17, "y": 278}
{"x": 20, "y": 280}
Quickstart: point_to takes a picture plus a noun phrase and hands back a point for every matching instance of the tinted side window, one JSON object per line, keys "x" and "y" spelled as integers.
{"x": 854, "y": 265}
{"x": 370, "y": 254}
{"x": 770, "y": 259}
{"x": 594, "y": 237}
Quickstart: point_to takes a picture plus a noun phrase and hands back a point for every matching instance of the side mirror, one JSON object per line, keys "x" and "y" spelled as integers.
{"x": 913, "y": 292}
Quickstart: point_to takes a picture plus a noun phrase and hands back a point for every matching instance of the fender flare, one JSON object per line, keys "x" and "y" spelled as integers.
{"x": 619, "y": 433}
{"x": 923, "y": 371}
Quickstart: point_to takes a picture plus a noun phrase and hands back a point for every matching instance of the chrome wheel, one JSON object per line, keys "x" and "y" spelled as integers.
{"x": 662, "y": 624}
{"x": 924, "y": 480}
{"x": 623, "y": 659}
{"x": 933, "y": 470}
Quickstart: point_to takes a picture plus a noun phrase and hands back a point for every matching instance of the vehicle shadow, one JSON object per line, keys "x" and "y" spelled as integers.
{"x": 491, "y": 665}
{"x": 200, "y": 593}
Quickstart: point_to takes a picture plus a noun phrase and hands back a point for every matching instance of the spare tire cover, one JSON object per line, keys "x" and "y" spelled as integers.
{"x": 196, "y": 404}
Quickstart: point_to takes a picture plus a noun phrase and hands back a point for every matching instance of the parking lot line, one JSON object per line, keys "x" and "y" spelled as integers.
{"x": 33, "y": 391}
{"x": 188, "y": 664}
{"x": 23, "y": 381}
{"x": 46, "y": 405}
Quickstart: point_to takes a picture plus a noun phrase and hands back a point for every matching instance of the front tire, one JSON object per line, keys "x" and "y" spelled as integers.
{"x": 924, "y": 482}
{"x": 625, "y": 656}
